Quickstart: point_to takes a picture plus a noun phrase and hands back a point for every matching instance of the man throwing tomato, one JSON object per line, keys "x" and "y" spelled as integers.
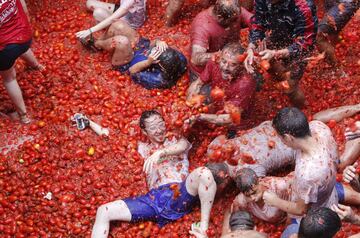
{"x": 233, "y": 90}
{"x": 173, "y": 191}
{"x": 288, "y": 28}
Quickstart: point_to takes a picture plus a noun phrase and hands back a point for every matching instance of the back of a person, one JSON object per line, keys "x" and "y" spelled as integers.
{"x": 265, "y": 147}
{"x": 14, "y": 25}
{"x": 319, "y": 170}
{"x": 245, "y": 234}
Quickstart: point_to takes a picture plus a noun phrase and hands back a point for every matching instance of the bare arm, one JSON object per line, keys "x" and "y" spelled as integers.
{"x": 194, "y": 88}
{"x": 199, "y": 55}
{"x": 221, "y": 119}
{"x": 297, "y": 208}
{"x": 226, "y": 226}
{"x": 337, "y": 113}
{"x": 351, "y": 153}
{"x": 138, "y": 67}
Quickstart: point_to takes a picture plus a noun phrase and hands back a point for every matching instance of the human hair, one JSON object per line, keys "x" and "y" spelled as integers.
{"x": 227, "y": 9}
{"x": 145, "y": 115}
{"x": 219, "y": 171}
{"x": 319, "y": 223}
{"x": 241, "y": 220}
{"x": 234, "y": 48}
{"x": 173, "y": 65}
{"x": 290, "y": 120}
{"x": 245, "y": 179}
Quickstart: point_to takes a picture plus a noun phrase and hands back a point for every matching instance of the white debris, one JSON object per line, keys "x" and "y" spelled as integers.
{"x": 48, "y": 196}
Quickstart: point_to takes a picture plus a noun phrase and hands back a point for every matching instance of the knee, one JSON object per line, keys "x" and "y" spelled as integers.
{"x": 117, "y": 26}
{"x": 121, "y": 42}
{"x": 10, "y": 76}
{"x": 100, "y": 14}
{"x": 102, "y": 212}
{"x": 90, "y": 5}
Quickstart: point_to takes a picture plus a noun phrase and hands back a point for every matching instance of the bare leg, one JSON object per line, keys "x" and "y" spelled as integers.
{"x": 121, "y": 28}
{"x": 351, "y": 196}
{"x": 351, "y": 153}
{"x": 172, "y": 11}
{"x": 31, "y": 60}
{"x": 337, "y": 113}
{"x": 94, "y": 4}
{"x": 12, "y": 87}
{"x": 121, "y": 47}
{"x": 201, "y": 182}
{"x": 117, "y": 210}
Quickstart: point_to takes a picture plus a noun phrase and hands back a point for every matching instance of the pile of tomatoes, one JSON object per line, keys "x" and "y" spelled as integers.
{"x": 82, "y": 170}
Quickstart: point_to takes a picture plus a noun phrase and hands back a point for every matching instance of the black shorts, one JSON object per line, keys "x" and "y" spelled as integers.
{"x": 116, "y": 7}
{"x": 10, "y": 53}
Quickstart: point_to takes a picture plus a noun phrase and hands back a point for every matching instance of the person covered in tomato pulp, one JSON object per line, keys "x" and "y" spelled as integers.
{"x": 212, "y": 29}
{"x": 173, "y": 191}
{"x": 232, "y": 92}
{"x": 283, "y": 33}
{"x": 15, "y": 42}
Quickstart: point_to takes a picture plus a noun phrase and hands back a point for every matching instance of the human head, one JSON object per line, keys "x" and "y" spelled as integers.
{"x": 226, "y": 11}
{"x": 291, "y": 124}
{"x": 248, "y": 183}
{"x": 241, "y": 220}
{"x": 319, "y": 223}
{"x": 229, "y": 64}
{"x": 220, "y": 172}
{"x": 152, "y": 124}
{"x": 172, "y": 66}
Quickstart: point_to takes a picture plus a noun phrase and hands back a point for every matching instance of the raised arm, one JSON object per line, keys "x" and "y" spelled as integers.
{"x": 337, "y": 113}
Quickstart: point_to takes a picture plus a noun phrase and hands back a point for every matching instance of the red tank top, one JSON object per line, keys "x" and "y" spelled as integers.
{"x": 14, "y": 25}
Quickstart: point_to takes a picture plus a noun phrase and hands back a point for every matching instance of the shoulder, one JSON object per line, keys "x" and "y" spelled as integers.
{"x": 143, "y": 148}
{"x": 320, "y": 128}
{"x": 202, "y": 18}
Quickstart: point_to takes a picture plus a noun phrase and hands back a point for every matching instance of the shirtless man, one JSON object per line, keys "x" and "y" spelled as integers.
{"x": 173, "y": 191}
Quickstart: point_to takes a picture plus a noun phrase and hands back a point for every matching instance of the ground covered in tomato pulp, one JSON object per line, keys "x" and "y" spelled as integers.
{"x": 52, "y": 156}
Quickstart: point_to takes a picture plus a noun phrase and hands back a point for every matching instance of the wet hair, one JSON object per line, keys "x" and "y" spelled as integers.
{"x": 173, "y": 66}
{"x": 290, "y": 120}
{"x": 234, "y": 48}
{"x": 145, "y": 115}
{"x": 245, "y": 179}
{"x": 219, "y": 171}
{"x": 319, "y": 223}
{"x": 227, "y": 9}
{"x": 241, "y": 220}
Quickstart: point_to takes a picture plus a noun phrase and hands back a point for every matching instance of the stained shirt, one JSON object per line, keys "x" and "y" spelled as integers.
{"x": 260, "y": 149}
{"x": 172, "y": 169}
{"x": 136, "y": 12}
{"x": 315, "y": 176}
{"x": 290, "y": 23}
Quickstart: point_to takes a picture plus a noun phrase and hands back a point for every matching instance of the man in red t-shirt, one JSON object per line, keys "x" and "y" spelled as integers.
{"x": 15, "y": 41}
{"x": 213, "y": 28}
{"x": 230, "y": 78}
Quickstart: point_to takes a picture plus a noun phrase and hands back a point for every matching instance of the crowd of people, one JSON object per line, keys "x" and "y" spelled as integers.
{"x": 224, "y": 75}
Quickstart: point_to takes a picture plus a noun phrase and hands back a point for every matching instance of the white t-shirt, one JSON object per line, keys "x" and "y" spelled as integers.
{"x": 263, "y": 145}
{"x": 137, "y": 12}
{"x": 315, "y": 177}
{"x": 281, "y": 186}
{"x": 173, "y": 169}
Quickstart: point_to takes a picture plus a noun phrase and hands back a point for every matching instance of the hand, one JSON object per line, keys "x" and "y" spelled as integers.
{"x": 161, "y": 45}
{"x": 149, "y": 162}
{"x": 267, "y": 54}
{"x": 154, "y": 55}
{"x": 344, "y": 212}
{"x": 191, "y": 120}
{"x": 83, "y": 34}
{"x": 197, "y": 232}
{"x": 270, "y": 198}
{"x": 349, "y": 173}
{"x": 195, "y": 101}
{"x": 249, "y": 61}
{"x": 216, "y": 56}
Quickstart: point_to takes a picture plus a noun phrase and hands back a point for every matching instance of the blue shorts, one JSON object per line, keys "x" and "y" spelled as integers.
{"x": 337, "y": 17}
{"x": 10, "y": 53}
{"x": 162, "y": 205}
{"x": 291, "y": 229}
{"x": 341, "y": 192}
